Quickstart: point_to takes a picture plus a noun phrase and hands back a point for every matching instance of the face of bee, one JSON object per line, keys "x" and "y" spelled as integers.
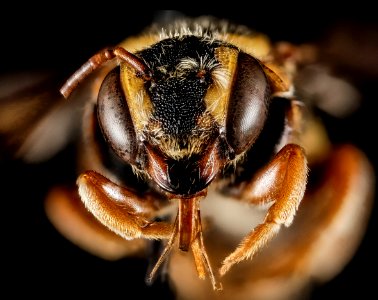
{"x": 198, "y": 110}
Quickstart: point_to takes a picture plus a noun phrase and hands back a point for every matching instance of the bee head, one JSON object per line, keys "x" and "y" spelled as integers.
{"x": 204, "y": 104}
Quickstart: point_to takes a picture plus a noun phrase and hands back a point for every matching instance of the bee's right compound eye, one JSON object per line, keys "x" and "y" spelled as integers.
{"x": 248, "y": 104}
{"x": 115, "y": 119}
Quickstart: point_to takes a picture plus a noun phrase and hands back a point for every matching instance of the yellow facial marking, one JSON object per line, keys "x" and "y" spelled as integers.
{"x": 218, "y": 94}
{"x": 139, "y": 102}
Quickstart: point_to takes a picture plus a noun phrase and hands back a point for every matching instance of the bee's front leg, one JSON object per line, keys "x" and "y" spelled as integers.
{"x": 283, "y": 182}
{"x": 119, "y": 209}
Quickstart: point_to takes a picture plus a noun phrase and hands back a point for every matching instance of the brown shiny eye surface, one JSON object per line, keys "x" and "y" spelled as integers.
{"x": 248, "y": 104}
{"x": 115, "y": 119}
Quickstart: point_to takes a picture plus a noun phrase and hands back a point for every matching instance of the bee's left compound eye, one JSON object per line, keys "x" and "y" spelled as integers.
{"x": 248, "y": 104}
{"x": 115, "y": 119}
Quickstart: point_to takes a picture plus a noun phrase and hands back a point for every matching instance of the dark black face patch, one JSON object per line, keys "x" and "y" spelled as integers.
{"x": 176, "y": 94}
{"x": 178, "y": 104}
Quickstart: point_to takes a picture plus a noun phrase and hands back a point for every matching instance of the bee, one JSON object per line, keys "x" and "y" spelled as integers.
{"x": 185, "y": 130}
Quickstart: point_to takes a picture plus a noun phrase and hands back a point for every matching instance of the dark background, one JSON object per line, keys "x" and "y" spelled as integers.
{"x": 62, "y": 38}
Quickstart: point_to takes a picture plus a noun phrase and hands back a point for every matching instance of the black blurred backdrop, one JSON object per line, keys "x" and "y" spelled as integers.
{"x": 38, "y": 261}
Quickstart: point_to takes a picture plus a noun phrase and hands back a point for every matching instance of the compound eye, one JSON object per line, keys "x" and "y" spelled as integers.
{"x": 248, "y": 104}
{"x": 115, "y": 119}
